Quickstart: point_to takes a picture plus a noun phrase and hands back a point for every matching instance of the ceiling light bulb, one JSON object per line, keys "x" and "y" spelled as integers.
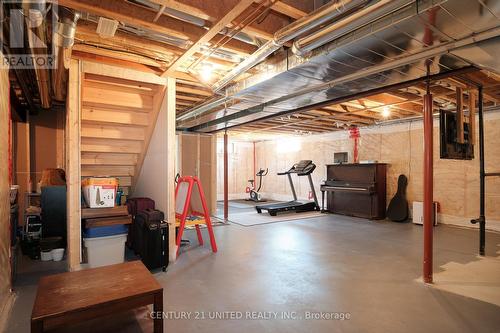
{"x": 206, "y": 73}
{"x": 386, "y": 111}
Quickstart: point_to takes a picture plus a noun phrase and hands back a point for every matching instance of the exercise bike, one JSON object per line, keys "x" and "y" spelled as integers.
{"x": 254, "y": 194}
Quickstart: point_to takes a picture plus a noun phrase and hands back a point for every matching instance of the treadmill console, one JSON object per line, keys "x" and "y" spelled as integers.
{"x": 303, "y": 168}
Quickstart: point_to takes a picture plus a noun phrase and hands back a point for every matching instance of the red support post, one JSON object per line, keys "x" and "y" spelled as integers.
{"x": 254, "y": 165}
{"x": 226, "y": 188}
{"x": 428, "y": 188}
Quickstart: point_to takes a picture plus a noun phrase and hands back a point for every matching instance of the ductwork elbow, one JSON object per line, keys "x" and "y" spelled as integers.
{"x": 34, "y": 12}
{"x": 353, "y": 17}
{"x": 64, "y": 39}
{"x": 66, "y": 28}
{"x": 316, "y": 18}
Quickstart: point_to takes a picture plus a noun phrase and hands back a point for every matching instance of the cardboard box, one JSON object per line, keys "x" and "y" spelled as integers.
{"x": 99, "y": 192}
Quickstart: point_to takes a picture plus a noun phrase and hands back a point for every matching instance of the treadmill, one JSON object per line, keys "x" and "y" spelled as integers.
{"x": 303, "y": 168}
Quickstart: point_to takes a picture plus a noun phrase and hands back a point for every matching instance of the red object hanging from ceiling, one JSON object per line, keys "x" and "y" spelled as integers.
{"x": 354, "y": 134}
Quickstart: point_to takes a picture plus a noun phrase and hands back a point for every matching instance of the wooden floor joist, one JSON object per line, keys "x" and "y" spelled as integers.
{"x": 209, "y": 35}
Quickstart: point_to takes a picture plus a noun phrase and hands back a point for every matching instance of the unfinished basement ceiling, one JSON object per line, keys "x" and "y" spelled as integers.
{"x": 389, "y": 49}
{"x": 153, "y": 35}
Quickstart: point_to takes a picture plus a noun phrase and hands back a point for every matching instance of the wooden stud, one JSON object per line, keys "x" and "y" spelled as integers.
{"x": 170, "y": 163}
{"x": 460, "y": 115}
{"x": 6, "y": 294}
{"x": 73, "y": 172}
{"x": 472, "y": 117}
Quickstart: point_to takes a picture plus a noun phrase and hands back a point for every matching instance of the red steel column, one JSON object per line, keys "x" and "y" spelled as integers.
{"x": 428, "y": 188}
{"x": 254, "y": 166}
{"x": 226, "y": 189}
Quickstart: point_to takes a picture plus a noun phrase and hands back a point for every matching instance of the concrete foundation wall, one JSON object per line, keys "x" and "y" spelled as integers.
{"x": 456, "y": 182}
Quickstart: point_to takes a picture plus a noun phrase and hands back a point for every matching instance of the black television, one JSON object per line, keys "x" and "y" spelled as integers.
{"x": 450, "y": 148}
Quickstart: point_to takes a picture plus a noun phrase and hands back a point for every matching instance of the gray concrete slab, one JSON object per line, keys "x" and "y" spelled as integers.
{"x": 367, "y": 269}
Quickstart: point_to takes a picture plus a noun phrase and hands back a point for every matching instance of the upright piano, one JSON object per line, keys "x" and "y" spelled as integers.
{"x": 356, "y": 189}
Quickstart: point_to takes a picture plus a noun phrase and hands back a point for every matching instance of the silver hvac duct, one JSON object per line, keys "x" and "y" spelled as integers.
{"x": 332, "y": 10}
{"x": 326, "y": 13}
{"x": 336, "y": 29}
{"x": 191, "y": 19}
{"x": 384, "y": 51}
{"x": 64, "y": 39}
{"x": 35, "y": 13}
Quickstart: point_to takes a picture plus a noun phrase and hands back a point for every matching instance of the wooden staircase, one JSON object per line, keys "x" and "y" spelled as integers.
{"x": 117, "y": 120}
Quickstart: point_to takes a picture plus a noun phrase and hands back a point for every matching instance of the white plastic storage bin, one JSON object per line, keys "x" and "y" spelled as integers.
{"x": 103, "y": 251}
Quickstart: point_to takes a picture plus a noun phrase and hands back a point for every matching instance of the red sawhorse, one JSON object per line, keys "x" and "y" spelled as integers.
{"x": 191, "y": 210}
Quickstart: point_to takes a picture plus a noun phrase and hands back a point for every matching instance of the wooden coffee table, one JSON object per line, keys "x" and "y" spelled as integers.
{"x": 72, "y": 297}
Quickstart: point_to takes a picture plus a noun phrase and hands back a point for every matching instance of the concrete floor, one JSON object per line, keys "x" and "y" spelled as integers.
{"x": 367, "y": 269}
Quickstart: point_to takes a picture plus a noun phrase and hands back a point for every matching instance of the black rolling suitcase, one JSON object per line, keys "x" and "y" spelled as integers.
{"x": 152, "y": 238}
{"x": 135, "y": 206}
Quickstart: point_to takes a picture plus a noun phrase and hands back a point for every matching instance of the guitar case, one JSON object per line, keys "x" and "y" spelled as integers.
{"x": 398, "y": 207}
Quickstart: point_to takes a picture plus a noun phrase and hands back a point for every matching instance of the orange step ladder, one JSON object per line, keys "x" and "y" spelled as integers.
{"x": 191, "y": 209}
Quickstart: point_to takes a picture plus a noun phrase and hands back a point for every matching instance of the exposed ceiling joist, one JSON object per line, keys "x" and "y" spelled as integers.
{"x": 156, "y": 51}
{"x": 288, "y": 10}
{"x": 87, "y": 31}
{"x": 92, "y": 57}
{"x": 211, "y": 33}
{"x": 213, "y": 11}
{"x": 191, "y": 90}
{"x": 119, "y": 54}
{"x": 144, "y": 18}
{"x": 183, "y": 8}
